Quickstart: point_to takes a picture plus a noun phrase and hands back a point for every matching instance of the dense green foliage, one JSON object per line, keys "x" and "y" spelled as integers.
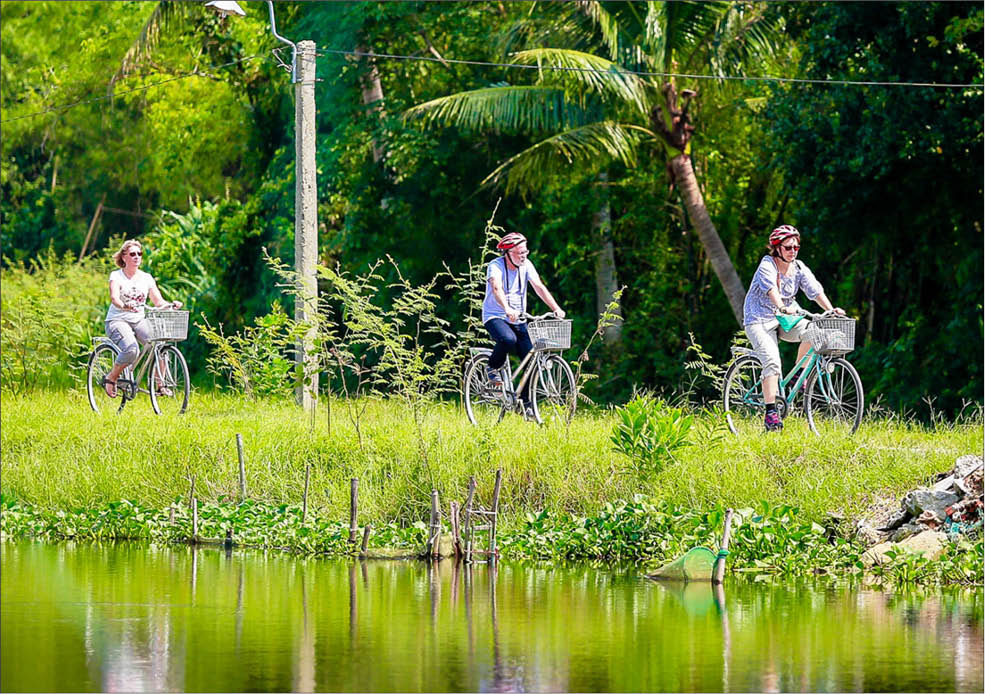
{"x": 765, "y": 540}
{"x": 194, "y": 152}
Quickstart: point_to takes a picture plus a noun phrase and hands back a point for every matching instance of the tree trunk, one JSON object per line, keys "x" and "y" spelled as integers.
{"x": 606, "y": 279}
{"x": 672, "y": 122}
{"x": 372, "y": 91}
{"x": 687, "y": 183}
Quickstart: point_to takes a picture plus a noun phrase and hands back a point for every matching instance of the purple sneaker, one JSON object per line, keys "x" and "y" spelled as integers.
{"x": 773, "y": 422}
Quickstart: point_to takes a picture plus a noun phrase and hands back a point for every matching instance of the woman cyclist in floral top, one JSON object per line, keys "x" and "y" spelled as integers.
{"x": 773, "y": 290}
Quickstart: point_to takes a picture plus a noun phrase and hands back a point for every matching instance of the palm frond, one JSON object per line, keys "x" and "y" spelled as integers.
{"x": 606, "y": 23}
{"x": 600, "y": 75}
{"x": 618, "y": 41}
{"x": 655, "y": 33}
{"x": 166, "y": 14}
{"x": 590, "y": 146}
{"x": 514, "y": 108}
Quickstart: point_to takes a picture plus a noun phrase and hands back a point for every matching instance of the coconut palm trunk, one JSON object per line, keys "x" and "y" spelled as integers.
{"x": 721, "y": 263}
{"x": 670, "y": 120}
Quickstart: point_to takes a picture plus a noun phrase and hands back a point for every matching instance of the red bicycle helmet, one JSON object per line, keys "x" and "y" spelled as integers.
{"x": 511, "y": 240}
{"x": 781, "y": 234}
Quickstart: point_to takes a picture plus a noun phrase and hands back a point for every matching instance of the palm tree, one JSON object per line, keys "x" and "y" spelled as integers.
{"x": 590, "y": 105}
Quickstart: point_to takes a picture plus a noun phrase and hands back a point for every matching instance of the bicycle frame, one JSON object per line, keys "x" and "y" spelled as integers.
{"x": 812, "y": 361}
{"x": 142, "y": 362}
{"x": 526, "y": 368}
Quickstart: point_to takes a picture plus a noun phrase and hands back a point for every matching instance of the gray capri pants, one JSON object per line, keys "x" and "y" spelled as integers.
{"x": 763, "y": 337}
{"x": 126, "y": 335}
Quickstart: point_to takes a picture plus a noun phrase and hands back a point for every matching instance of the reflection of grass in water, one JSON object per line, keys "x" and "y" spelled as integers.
{"x": 58, "y": 453}
{"x": 438, "y": 629}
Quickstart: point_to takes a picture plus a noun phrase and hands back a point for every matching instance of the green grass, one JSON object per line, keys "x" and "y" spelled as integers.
{"x": 56, "y": 453}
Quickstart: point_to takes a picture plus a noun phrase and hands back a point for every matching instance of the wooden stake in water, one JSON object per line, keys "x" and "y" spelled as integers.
{"x": 242, "y": 467}
{"x": 191, "y": 492}
{"x": 435, "y": 525}
{"x": 719, "y": 575}
{"x": 353, "y": 510}
{"x": 455, "y": 533}
{"x": 194, "y": 520}
{"x": 469, "y": 500}
{"x": 366, "y": 531}
{"x": 495, "y": 514}
{"x": 304, "y": 502}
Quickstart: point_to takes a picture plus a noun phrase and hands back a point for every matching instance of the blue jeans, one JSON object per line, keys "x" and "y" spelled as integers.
{"x": 509, "y": 338}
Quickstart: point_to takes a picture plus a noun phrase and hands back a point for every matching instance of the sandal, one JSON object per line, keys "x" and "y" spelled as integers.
{"x": 165, "y": 391}
{"x": 107, "y": 384}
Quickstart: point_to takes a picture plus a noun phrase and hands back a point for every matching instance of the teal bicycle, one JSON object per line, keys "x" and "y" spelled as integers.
{"x": 832, "y": 388}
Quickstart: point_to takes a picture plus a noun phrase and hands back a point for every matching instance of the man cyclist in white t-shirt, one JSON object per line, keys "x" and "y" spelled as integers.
{"x": 507, "y": 278}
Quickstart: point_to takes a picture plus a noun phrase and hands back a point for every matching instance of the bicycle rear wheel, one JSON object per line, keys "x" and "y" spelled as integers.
{"x": 485, "y": 405}
{"x": 100, "y": 363}
{"x": 168, "y": 382}
{"x": 835, "y": 400}
{"x": 554, "y": 395}
{"x": 743, "y": 396}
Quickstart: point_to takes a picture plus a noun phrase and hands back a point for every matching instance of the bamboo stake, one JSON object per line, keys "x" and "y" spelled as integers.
{"x": 719, "y": 574}
{"x": 191, "y": 493}
{"x": 194, "y": 521}
{"x": 455, "y": 534}
{"x": 468, "y": 519}
{"x": 366, "y": 531}
{"x": 353, "y": 510}
{"x": 242, "y": 468}
{"x": 495, "y": 513}
{"x": 435, "y": 525}
{"x": 304, "y": 503}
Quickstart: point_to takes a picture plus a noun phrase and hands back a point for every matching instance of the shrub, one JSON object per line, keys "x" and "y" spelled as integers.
{"x": 50, "y": 309}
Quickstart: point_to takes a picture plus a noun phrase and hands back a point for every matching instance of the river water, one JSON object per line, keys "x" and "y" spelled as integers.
{"x": 132, "y": 617}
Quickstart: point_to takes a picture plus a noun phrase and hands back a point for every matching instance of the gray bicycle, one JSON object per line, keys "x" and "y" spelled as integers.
{"x": 160, "y": 364}
{"x": 553, "y": 393}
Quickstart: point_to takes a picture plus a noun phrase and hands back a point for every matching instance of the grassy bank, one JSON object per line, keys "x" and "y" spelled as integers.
{"x": 56, "y": 453}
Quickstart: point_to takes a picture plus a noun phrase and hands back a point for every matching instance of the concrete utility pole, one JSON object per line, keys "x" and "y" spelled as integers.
{"x": 305, "y": 197}
{"x": 306, "y": 221}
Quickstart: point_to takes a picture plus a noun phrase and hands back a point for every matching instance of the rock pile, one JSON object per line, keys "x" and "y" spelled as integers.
{"x": 930, "y": 516}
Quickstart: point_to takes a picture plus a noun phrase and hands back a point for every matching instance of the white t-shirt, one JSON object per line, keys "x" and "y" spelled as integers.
{"x": 133, "y": 294}
{"x": 514, "y": 281}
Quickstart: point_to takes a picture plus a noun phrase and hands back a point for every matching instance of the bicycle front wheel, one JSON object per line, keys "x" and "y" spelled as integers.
{"x": 168, "y": 382}
{"x": 743, "y": 396}
{"x": 484, "y": 403}
{"x": 554, "y": 397}
{"x": 833, "y": 397}
{"x": 101, "y": 363}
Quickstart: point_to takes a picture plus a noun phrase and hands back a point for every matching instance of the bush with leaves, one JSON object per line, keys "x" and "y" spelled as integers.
{"x": 648, "y": 432}
{"x": 50, "y": 309}
{"x": 259, "y": 359}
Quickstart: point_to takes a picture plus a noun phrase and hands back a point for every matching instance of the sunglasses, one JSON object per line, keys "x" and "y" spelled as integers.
{"x": 790, "y": 248}
{"x": 135, "y": 254}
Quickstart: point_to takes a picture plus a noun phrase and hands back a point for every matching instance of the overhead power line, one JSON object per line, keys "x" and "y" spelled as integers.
{"x": 685, "y": 75}
{"x": 65, "y": 107}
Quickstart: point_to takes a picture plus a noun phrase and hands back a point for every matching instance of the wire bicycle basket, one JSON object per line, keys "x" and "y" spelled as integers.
{"x": 550, "y": 334}
{"x": 168, "y": 325}
{"x": 832, "y": 335}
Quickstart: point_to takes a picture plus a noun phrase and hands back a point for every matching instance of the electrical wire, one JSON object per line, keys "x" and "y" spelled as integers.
{"x": 481, "y": 63}
{"x": 792, "y": 80}
{"x": 65, "y": 107}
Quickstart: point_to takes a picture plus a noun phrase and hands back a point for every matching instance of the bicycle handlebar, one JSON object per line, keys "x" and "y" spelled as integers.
{"x": 812, "y": 316}
{"x": 529, "y": 317}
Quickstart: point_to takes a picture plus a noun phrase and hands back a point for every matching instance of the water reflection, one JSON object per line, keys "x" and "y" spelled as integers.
{"x": 135, "y": 618}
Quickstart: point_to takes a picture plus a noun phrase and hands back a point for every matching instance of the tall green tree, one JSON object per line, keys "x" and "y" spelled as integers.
{"x": 590, "y": 106}
{"x": 886, "y": 186}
